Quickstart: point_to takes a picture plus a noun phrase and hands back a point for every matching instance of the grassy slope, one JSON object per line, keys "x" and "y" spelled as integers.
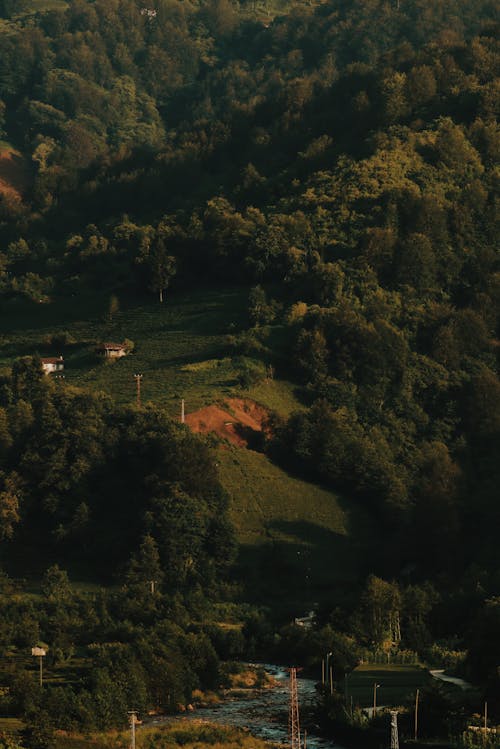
{"x": 300, "y": 530}
{"x": 180, "y": 346}
{"x": 300, "y": 542}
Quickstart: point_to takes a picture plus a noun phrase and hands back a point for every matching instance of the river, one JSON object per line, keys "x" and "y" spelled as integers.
{"x": 265, "y": 713}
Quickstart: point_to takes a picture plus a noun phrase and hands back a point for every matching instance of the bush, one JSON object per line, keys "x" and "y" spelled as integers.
{"x": 58, "y": 340}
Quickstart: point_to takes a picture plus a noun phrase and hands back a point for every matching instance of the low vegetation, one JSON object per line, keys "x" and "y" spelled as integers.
{"x": 178, "y": 734}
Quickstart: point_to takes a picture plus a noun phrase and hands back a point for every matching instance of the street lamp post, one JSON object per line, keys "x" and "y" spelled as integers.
{"x": 328, "y": 671}
{"x": 39, "y": 653}
{"x": 375, "y": 687}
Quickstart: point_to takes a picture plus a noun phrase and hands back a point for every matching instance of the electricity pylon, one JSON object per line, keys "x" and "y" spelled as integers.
{"x": 394, "y": 730}
{"x": 293, "y": 716}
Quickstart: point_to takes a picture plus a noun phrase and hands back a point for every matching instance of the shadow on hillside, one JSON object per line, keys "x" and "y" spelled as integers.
{"x": 301, "y": 564}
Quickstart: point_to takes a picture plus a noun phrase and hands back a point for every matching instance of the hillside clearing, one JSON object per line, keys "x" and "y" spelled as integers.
{"x": 181, "y": 347}
{"x": 291, "y": 532}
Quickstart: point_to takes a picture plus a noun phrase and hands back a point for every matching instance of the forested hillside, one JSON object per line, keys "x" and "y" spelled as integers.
{"x": 339, "y": 163}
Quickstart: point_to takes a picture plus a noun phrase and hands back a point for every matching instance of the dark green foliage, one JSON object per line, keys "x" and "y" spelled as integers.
{"x": 96, "y": 479}
{"x": 126, "y": 495}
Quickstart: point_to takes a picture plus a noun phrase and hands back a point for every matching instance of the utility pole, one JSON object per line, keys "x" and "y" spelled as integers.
{"x": 293, "y": 716}
{"x": 138, "y": 378}
{"x": 394, "y": 730}
{"x": 183, "y": 418}
{"x": 324, "y": 668}
{"x": 416, "y": 714}
{"x": 485, "y": 717}
{"x": 133, "y": 721}
{"x": 331, "y": 679}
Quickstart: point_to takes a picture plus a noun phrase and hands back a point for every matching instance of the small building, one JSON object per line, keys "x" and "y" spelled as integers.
{"x": 52, "y": 364}
{"x": 111, "y": 350}
{"x": 306, "y": 622}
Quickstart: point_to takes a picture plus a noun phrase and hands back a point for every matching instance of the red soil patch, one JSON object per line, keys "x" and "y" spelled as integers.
{"x": 14, "y": 174}
{"x": 242, "y": 421}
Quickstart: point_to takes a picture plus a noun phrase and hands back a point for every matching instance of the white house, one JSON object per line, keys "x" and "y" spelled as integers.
{"x": 52, "y": 364}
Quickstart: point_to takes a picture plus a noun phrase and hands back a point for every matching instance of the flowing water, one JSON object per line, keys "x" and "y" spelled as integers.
{"x": 265, "y": 713}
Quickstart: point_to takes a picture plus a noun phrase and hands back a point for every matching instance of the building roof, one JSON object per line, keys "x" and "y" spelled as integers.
{"x": 111, "y": 345}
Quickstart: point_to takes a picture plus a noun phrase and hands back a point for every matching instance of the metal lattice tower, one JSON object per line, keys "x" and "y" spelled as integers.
{"x": 394, "y": 730}
{"x": 293, "y": 716}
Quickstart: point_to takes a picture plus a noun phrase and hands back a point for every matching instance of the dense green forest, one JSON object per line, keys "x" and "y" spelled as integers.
{"x": 338, "y": 162}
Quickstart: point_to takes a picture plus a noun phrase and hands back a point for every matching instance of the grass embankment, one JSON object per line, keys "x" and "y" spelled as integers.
{"x": 397, "y": 683}
{"x": 297, "y": 539}
{"x": 192, "y": 735}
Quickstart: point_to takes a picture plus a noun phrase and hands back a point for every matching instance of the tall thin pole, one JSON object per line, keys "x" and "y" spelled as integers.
{"x": 416, "y": 714}
{"x": 41, "y": 671}
{"x": 138, "y": 378}
{"x": 133, "y": 720}
{"x": 323, "y": 671}
{"x": 394, "y": 730}
{"x": 331, "y": 679}
{"x": 183, "y": 418}
{"x": 485, "y": 716}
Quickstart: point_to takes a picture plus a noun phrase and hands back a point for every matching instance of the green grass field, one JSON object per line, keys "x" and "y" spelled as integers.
{"x": 180, "y": 346}
{"x": 298, "y": 540}
{"x": 397, "y": 683}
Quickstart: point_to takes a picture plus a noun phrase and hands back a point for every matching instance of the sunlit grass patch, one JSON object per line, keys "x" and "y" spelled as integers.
{"x": 190, "y": 734}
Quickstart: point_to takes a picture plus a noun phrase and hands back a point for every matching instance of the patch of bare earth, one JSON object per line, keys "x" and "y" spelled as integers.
{"x": 14, "y": 174}
{"x": 239, "y": 424}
